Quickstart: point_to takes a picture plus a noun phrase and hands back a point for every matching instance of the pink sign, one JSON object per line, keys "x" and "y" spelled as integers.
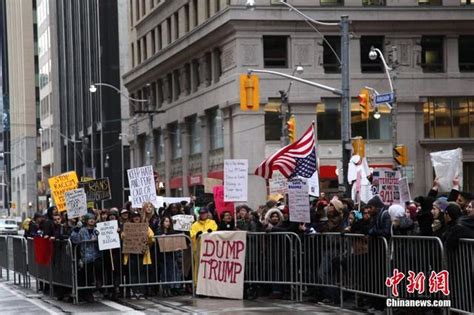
{"x": 221, "y": 206}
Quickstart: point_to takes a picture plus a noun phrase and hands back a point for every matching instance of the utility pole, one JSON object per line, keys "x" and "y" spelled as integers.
{"x": 284, "y": 114}
{"x": 394, "y": 104}
{"x": 345, "y": 104}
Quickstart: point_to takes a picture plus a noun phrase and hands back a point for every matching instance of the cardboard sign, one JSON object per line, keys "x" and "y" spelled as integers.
{"x": 142, "y": 186}
{"x": 76, "y": 203}
{"x": 278, "y": 184}
{"x": 298, "y": 200}
{"x": 221, "y": 205}
{"x": 59, "y": 185}
{"x": 404, "y": 190}
{"x": 135, "y": 240}
{"x": 182, "y": 222}
{"x": 222, "y": 264}
{"x": 235, "y": 180}
{"x": 108, "y": 235}
{"x": 172, "y": 243}
{"x": 97, "y": 189}
{"x": 385, "y": 183}
{"x": 210, "y": 183}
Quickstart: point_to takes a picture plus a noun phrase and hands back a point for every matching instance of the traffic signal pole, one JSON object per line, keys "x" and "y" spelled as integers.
{"x": 284, "y": 113}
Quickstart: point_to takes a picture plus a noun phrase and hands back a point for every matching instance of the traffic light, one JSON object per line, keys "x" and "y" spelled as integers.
{"x": 358, "y": 146}
{"x": 401, "y": 155}
{"x": 249, "y": 92}
{"x": 364, "y": 103}
{"x": 291, "y": 127}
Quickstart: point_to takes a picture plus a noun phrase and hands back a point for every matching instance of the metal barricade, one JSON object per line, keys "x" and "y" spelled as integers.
{"x": 4, "y": 257}
{"x": 276, "y": 259}
{"x": 20, "y": 265}
{"x": 461, "y": 277}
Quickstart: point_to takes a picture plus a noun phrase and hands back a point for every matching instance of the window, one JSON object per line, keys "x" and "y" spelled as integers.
{"x": 272, "y": 120}
{"x": 160, "y": 46}
{"x": 216, "y": 129}
{"x": 373, "y": 2}
{"x": 139, "y": 51}
{"x": 175, "y": 142}
{"x": 137, "y": 10}
{"x": 176, "y": 26}
{"x": 468, "y": 176}
{"x": 176, "y": 84}
{"x": 23, "y": 181}
{"x": 275, "y": 51}
{"x": 208, "y": 9}
{"x": 331, "y": 2}
{"x": 195, "y": 74}
{"x": 195, "y": 135}
{"x": 143, "y": 7}
{"x": 466, "y": 2}
{"x": 195, "y": 13}
{"x": 187, "y": 21}
{"x": 168, "y": 26}
{"x": 159, "y": 146}
{"x": 145, "y": 48}
{"x": 169, "y": 78}
{"x": 368, "y": 65}
{"x": 329, "y": 121}
{"x": 466, "y": 53}
{"x": 218, "y": 5}
{"x": 429, "y": 2}
{"x": 449, "y": 117}
{"x": 159, "y": 99}
{"x": 330, "y": 61}
{"x": 432, "y": 54}
{"x": 153, "y": 42}
{"x": 133, "y": 55}
{"x": 217, "y": 64}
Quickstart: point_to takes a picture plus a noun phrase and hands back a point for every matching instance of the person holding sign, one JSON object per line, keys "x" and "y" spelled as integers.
{"x": 149, "y": 216}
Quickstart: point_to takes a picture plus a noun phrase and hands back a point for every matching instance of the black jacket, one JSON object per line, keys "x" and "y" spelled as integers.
{"x": 462, "y": 228}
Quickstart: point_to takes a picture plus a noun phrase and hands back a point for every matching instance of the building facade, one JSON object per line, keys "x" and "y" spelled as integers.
{"x": 187, "y": 57}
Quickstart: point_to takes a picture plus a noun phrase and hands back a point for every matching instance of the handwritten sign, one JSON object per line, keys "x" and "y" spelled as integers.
{"x": 182, "y": 222}
{"x": 298, "y": 200}
{"x": 108, "y": 235}
{"x": 97, "y": 189}
{"x": 278, "y": 184}
{"x": 59, "y": 185}
{"x": 385, "y": 183}
{"x": 313, "y": 185}
{"x": 142, "y": 186}
{"x": 221, "y": 205}
{"x": 235, "y": 180}
{"x": 135, "y": 238}
{"x": 222, "y": 264}
{"x": 76, "y": 203}
{"x": 172, "y": 243}
{"x": 404, "y": 190}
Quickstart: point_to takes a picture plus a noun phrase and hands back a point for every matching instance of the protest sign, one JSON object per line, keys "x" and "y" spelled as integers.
{"x": 222, "y": 264}
{"x": 135, "y": 238}
{"x": 169, "y": 200}
{"x": 278, "y": 184}
{"x": 221, "y": 205}
{"x": 404, "y": 190}
{"x": 210, "y": 183}
{"x": 108, "y": 235}
{"x": 298, "y": 200}
{"x": 59, "y": 185}
{"x": 142, "y": 186}
{"x": 182, "y": 222}
{"x": 97, "y": 189}
{"x": 447, "y": 165}
{"x": 172, "y": 243}
{"x": 90, "y": 204}
{"x": 76, "y": 203}
{"x": 385, "y": 183}
{"x": 313, "y": 185}
{"x": 235, "y": 180}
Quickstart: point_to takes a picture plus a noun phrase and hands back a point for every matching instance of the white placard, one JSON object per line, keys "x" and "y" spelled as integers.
{"x": 313, "y": 185}
{"x": 182, "y": 222}
{"x": 404, "y": 190}
{"x": 278, "y": 184}
{"x": 385, "y": 183}
{"x": 222, "y": 264}
{"x": 76, "y": 203}
{"x": 108, "y": 235}
{"x": 298, "y": 200}
{"x": 169, "y": 200}
{"x": 235, "y": 180}
{"x": 142, "y": 186}
{"x": 447, "y": 165}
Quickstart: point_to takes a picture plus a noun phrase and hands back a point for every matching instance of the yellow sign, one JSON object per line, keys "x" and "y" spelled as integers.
{"x": 59, "y": 185}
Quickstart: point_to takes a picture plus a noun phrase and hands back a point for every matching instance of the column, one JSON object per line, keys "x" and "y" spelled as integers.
{"x": 192, "y": 15}
{"x": 205, "y": 144}
{"x": 167, "y": 140}
{"x": 213, "y": 8}
{"x": 166, "y": 90}
{"x": 201, "y": 11}
{"x": 174, "y": 30}
{"x": 182, "y": 22}
{"x": 228, "y": 131}
{"x": 164, "y": 34}
{"x": 185, "y": 155}
{"x": 184, "y": 80}
{"x": 204, "y": 79}
{"x": 452, "y": 55}
{"x": 319, "y": 51}
{"x": 354, "y": 57}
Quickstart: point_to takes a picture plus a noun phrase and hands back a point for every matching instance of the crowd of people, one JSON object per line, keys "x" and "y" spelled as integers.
{"x": 447, "y": 217}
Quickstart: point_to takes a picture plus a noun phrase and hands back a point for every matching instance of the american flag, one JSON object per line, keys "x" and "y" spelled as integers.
{"x": 296, "y": 159}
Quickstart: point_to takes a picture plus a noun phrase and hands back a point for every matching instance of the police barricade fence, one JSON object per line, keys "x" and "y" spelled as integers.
{"x": 4, "y": 256}
{"x": 20, "y": 263}
{"x": 461, "y": 277}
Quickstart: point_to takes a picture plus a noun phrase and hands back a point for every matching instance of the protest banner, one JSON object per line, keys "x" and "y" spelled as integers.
{"x": 108, "y": 235}
{"x": 182, "y": 222}
{"x": 142, "y": 186}
{"x": 222, "y": 264}
{"x": 298, "y": 200}
{"x": 210, "y": 183}
{"x": 313, "y": 185}
{"x": 76, "y": 203}
{"x": 97, "y": 189}
{"x": 135, "y": 238}
{"x": 59, "y": 185}
{"x": 278, "y": 184}
{"x": 404, "y": 190}
{"x": 221, "y": 205}
{"x": 385, "y": 183}
{"x": 90, "y": 204}
{"x": 447, "y": 165}
{"x": 235, "y": 180}
{"x": 172, "y": 243}
{"x": 169, "y": 200}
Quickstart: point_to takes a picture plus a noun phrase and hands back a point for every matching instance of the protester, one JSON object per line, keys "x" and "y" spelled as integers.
{"x": 381, "y": 218}
{"x": 402, "y": 224}
{"x": 149, "y": 216}
{"x": 227, "y": 222}
{"x": 124, "y": 218}
{"x": 438, "y": 225}
{"x": 34, "y": 225}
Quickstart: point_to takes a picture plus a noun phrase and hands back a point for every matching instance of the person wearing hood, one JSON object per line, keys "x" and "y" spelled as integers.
{"x": 439, "y": 207}
{"x": 273, "y": 218}
{"x": 401, "y": 223}
{"x": 459, "y": 226}
{"x": 381, "y": 224}
{"x": 335, "y": 214}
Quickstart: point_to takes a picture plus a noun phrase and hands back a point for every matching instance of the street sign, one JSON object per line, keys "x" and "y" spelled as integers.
{"x": 384, "y": 98}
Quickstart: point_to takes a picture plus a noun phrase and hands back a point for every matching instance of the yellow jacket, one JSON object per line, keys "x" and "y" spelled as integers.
{"x": 201, "y": 226}
{"x": 146, "y": 255}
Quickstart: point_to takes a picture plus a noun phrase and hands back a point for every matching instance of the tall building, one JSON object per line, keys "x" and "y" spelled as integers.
{"x": 187, "y": 57}
{"x": 4, "y": 108}
{"x": 23, "y": 102}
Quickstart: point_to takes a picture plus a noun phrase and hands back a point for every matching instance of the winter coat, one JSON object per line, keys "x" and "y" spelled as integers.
{"x": 226, "y": 226}
{"x": 87, "y": 242}
{"x": 202, "y": 226}
{"x": 382, "y": 224}
{"x": 405, "y": 227}
{"x": 462, "y": 228}
{"x": 361, "y": 227}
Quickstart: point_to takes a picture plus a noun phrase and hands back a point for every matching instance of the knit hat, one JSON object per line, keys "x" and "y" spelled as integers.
{"x": 89, "y": 216}
{"x": 396, "y": 211}
{"x": 453, "y": 210}
{"x": 441, "y": 203}
{"x": 338, "y": 205}
{"x": 376, "y": 202}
